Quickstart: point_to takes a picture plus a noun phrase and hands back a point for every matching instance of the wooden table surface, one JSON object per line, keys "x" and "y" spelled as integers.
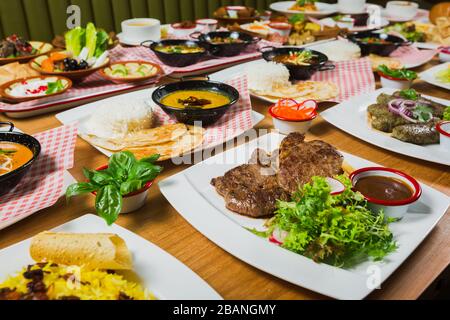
{"x": 230, "y": 277}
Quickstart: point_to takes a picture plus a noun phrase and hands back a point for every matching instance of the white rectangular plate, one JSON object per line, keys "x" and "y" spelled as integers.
{"x": 82, "y": 114}
{"x": 192, "y": 195}
{"x": 430, "y": 75}
{"x": 159, "y": 272}
{"x": 351, "y": 117}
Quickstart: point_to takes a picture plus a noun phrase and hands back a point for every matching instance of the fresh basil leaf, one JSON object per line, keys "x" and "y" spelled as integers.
{"x": 108, "y": 203}
{"x": 121, "y": 163}
{"x": 152, "y": 159}
{"x": 80, "y": 188}
{"x": 102, "y": 178}
{"x": 144, "y": 171}
{"x": 88, "y": 173}
{"x": 131, "y": 186}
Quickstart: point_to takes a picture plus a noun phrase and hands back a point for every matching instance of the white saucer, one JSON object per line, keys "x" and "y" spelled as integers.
{"x": 128, "y": 42}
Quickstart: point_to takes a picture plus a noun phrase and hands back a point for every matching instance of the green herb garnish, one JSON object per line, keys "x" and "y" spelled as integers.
{"x": 338, "y": 230}
{"x": 305, "y": 2}
{"x": 446, "y": 114}
{"x": 54, "y": 87}
{"x": 423, "y": 113}
{"x": 409, "y": 94}
{"x": 298, "y": 17}
{"x": 125, "y": 174}
{"x": 7, "y": 152}
{"x": 398, "y": 73}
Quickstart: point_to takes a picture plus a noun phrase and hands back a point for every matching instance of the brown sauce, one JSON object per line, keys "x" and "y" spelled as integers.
{"x": 384, "y": 188}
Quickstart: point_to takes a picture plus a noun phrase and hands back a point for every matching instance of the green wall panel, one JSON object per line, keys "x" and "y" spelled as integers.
{"x": 86, "y": 10}
{"x": 172, "y": 11}
{"x": 121, "y": 11}
{"x": 156, "y": 9}
{"x": 103, "y": 14}
{"x": 58, "y": 15}
{"x": 212, "y": 6}
{"x": 138, "y": 8}
{"x": 201, "y": 9}
{"x": 186, "y": 10}
{"x": 13, "y": 18}
{"x": 39, "y": 29}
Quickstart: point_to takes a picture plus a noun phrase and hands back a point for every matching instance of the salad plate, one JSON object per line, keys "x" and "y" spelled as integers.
{"x": 21, "y": 90}
{"x": 322, "y": 9}
{"x": 351, "y": 116}
{"x": 438, "y": 75}
{"x": 165, "y": 276}
{"x": 230, "y": 231}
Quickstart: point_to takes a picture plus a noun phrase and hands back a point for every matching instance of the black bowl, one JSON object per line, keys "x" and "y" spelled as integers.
{"x": 177, "y": 59}
{"x": 381, "y": 49}
{"x": 361, "y": 19}
{"x": 10, "y": 180}
{"x": 192, "y": 116}
{"x": 225, "y": 49}
{"x": 298, "y": 72}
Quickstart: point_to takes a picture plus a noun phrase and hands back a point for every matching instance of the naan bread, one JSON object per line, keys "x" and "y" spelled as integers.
{"x": 391, "y": 63}
{"x": 147, "y": 137}
{"x": 305, "y": 90}
{"x": 14, "y": 71}
{"x": 184, "y": 144}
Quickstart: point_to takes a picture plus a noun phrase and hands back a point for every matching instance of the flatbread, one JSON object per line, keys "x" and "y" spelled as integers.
{"x": 14, "y": 71}
{"x": 94, "y": 251}
{"x": 391, "y": 63}
{"x": 185, "y": 144}
{"x": 304, "y": 90}
{"x": 147, "y": 137}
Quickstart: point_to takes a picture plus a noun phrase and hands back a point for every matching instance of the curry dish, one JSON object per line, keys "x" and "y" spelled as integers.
{"x": 195, "y": 99}
{"x": 13, "y": 156}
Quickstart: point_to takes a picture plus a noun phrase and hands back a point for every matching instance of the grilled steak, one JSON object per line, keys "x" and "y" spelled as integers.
{"x": 300, "y": 161}
{"x": 251, "y": 189}
{"x": 383, "y": 119}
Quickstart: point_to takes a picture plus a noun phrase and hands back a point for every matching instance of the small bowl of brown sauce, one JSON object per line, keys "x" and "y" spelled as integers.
{"x": 385, "y": 189}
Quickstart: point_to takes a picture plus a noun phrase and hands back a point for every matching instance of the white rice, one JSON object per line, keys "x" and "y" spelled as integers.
{"x": 119, "y": 119}
{"x": 339, "y": 50}
{"x": 267, "y": 76}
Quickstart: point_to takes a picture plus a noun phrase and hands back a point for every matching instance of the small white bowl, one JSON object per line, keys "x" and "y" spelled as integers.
{"x": 287, "y": 126}
{"x": 393, "y": 209}
{"x": 346, "y": 23}
{"x": 402, "y": 9}
{"x": 400, "y": 84}
{"x": 444, "y": 55}
{"x": 444, "y": 131}
{"x": 182, "y": 32}
{"x": 133, "y": 201}
{"x": 141, "y": 29}
{"x": 283, "y": 29}
{"x": 207, "y": 25}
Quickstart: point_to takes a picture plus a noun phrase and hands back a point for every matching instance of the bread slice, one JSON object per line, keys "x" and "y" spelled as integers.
{"x": 93, "y": 251}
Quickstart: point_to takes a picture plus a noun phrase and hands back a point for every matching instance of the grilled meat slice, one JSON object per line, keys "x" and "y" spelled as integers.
{"x": 383, "y": 119}
{"x": 300, "y": 161}
{"x": 417, "y": 133}
{"x": 251, "y": 189}
{"x": 6, "y": 49}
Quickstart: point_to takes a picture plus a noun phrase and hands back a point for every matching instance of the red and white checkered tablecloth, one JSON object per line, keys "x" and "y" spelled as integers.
{"x": 353, "y": 78}
{"x": 93, "y": 85}
{"x": 235, "y": 122}
{"x": 43, "y": 184}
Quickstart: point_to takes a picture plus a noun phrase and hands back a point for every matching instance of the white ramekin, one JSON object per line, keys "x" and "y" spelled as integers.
{"x": 400, "y": 84}
{"x": 207, "y": 25}
{"x": 444, "y": 131}
{"x": 402, "y": 9}
{"x": 287, "y": 126}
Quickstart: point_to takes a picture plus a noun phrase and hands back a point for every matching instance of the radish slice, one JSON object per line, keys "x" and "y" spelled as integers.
{"x": 278, "y": 236}
{"x": 83, "y": 54}
{"x": 336, "y": 186}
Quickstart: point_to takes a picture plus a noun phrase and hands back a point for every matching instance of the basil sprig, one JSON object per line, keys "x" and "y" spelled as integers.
{"x": 124, "y": 175}
{"x": 398, "y": 73}
{"x": 54, "y": 87}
